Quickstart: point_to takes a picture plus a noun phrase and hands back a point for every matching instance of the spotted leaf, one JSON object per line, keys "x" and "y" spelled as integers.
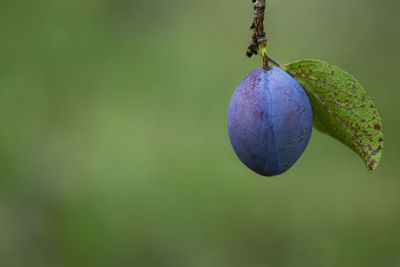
{"x": 341, "y": 108}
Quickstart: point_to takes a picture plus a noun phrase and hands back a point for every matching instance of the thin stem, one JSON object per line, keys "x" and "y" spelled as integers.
{"x": 274, "y": 62}
{"x": 258, "y": 40}
{"x": 281, "y": 67}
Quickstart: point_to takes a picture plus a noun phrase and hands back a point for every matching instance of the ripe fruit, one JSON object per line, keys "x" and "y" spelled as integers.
{"x": 269, "y": 121}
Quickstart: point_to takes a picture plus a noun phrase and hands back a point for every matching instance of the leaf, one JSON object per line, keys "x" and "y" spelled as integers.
{"x": 341, "y": 108}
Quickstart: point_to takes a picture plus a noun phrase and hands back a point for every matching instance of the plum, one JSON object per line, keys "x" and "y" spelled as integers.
{"x": 269, "y": 121}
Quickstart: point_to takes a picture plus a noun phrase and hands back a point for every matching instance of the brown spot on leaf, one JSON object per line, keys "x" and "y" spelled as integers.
{"x": 376, "y": 151}
{"x": 372, "y": 164}
{"x": 377, "y": 127}
{"x": 380, "y": 139}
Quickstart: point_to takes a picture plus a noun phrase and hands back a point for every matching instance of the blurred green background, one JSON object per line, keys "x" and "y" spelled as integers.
{"x": 114, "y": 149}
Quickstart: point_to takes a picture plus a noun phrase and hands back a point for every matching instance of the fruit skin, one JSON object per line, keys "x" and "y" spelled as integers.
{"x": 269, "y": 121}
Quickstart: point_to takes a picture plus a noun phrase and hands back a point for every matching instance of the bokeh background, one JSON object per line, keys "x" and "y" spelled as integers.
{"x": 114, "y": 149}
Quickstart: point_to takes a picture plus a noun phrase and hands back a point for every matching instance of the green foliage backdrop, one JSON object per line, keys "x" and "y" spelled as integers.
{"x": 114, "y": 149}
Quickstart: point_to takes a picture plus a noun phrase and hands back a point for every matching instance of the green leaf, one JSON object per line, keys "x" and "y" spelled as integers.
{"x": 341, "y": 108}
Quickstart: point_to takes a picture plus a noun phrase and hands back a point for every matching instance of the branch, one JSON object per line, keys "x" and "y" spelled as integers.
{"x": 258, "y": 39}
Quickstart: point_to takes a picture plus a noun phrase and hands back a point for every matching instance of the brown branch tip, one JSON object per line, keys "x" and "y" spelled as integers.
{"x": 257, "y": 26}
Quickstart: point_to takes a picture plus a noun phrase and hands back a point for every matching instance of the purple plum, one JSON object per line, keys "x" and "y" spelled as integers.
{"x": 269, "y": 121}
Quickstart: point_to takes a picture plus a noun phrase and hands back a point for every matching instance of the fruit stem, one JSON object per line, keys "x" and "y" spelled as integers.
{"x": 258, "y": 40}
